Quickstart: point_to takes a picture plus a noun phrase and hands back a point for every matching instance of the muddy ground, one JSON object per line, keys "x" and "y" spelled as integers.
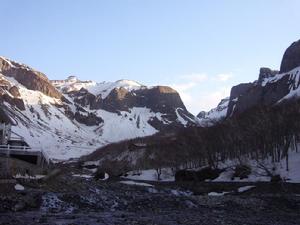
{"x": 66, "y": 199}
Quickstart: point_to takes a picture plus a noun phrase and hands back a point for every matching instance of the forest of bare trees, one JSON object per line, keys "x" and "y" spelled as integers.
{"x": 257, "y": 134}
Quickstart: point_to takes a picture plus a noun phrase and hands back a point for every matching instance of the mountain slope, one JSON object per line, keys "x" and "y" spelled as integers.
{"x": 272, "y": 87}
{"x": 256, "y": 128}
{"x": 70, "y": 118}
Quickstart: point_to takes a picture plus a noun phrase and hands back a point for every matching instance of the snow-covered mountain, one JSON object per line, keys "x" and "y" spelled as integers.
{"x": 72, "y": 83}
{"x": 214, "y": 115}
{"x": 272, "y": 87}
{"x": 69, "y": 118}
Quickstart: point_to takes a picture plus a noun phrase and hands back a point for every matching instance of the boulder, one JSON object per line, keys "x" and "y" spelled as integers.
{"x": 206, "y": 173}
{"x": 276, "y": 179}
{"x": 242, "y": 171}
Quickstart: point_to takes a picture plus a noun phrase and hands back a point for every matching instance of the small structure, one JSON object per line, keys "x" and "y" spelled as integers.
{"x": 5, "y": 131}
{"x": 5, "y": 127}
{"x": 13, "y": 145}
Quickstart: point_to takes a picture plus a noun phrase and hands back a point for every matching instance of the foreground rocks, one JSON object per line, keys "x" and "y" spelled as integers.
{"x": 73, "y": 199}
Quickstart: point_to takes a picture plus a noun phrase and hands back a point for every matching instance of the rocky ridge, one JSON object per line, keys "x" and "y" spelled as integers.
{"x": 272, "y": 87}
{"x": 70, "y": 118}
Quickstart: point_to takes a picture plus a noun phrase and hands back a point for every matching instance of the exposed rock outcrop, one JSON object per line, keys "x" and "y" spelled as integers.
{"x": 272, "y": 87}
{"x": 28, "y": 77}
{"x": 72, "y": 117}
{"x": 90, "y": 119}
{"x": 265, "y": 72}
{"x": 114, "y": 98}
{"x": 291, "y": 57}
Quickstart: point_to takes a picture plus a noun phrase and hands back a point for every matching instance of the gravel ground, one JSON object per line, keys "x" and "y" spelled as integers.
{"x": 75, "y": 200}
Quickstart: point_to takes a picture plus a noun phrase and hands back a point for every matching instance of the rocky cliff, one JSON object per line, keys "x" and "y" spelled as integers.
{"x": 69, "y": 118}
{"x": 272, "y": 87}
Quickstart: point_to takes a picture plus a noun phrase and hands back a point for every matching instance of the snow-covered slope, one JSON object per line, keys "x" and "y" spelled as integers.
{"x": 102, "y": 89}
{"x": 66, "y": 124}
{"x": 214, "y": 115}
{"x": 293, "y": 82}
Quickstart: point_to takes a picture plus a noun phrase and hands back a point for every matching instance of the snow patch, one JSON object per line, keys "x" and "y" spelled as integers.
{"x": 86, "y": 176}
{"x": 151, "y": 175}
{"x": 19, "y": 187}
{"x": 245, "y": 188}
{"x": 217, "y": 193}
{"x": 130, "y": 182}
{"x": 102, "y": 89}
{"x": 26, "y": 176}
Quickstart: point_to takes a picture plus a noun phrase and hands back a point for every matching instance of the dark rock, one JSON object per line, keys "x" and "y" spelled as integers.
{"x": 19, "y": 206}
{"x": 246, "y": 96}
{"x": 242, "y": 171}
{"x": 159, "y": 99}
{"x": 201, "y": 175}
{"x": 17, "y": 102}
{"x": 266, "y": 73}
{"x": 90, "y": 167}
{"x": 14, "y": 91}
{"x": 28, "y": 77}
{"x": 90, "y": 119}
{"x": 291, "y": 57}
{"x": 276, "y": 179}
{"x": 201, "y": 114}
{"x": 99, "y": 175}
{"x": 185, "y": 175}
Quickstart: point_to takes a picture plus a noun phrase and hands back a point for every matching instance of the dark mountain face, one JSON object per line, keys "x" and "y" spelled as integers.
{"x": 272, "y": 86}
{"x": 159, "y": 99}
{"x": 31, "y": 79}
{"x": 71, "y": 118}
{"x": 259, "y": 121}
{"x": 291, "y": 58}
{"x": 263, "y": 92}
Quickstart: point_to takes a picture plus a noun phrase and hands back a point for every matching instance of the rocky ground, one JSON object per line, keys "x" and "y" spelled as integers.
{"x": 67, "y": 199}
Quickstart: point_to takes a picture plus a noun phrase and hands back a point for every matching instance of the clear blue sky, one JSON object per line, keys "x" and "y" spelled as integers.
{"x": 201, "y": 48}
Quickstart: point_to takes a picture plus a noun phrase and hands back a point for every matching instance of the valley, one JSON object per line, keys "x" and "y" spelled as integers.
{"x": 125, "y": 153}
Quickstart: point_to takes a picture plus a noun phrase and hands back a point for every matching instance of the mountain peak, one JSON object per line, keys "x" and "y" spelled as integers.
{"x": 72, "y": 79}
{"x": 291, "y": 57}
{"x": 28, "y": 77}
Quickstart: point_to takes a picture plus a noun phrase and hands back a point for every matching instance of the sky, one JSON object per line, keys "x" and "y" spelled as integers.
{"x": 200, "y": 48}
